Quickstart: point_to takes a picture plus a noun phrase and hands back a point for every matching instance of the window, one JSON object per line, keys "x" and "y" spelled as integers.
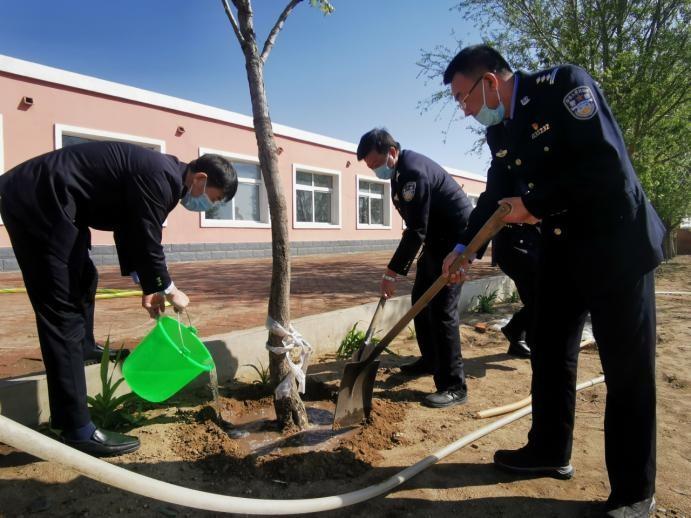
{"x": 316, "y": 193}
{"x": 71, "y": 135}
{"x": 250, "y": 206}
{"x": 374, "y": 205}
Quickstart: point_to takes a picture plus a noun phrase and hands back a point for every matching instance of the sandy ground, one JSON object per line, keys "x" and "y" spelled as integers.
{"x": 182, "y": 447}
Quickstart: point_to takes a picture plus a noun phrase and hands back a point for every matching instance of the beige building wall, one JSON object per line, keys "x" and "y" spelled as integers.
{"x": 40, "y": 105}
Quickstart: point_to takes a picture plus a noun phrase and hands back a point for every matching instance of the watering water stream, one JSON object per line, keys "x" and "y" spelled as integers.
{"x": 233, "y": 432}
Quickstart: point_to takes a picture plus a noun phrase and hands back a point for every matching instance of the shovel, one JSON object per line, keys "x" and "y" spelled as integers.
{"x": 366, "y": 347}
{"x": 355, "y": 392}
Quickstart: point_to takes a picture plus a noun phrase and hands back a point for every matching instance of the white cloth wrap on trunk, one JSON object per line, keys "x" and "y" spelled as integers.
{"x": 297, "y": 371}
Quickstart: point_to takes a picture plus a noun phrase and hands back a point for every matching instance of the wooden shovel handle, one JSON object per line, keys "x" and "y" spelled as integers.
{"x": 493, "y": 225}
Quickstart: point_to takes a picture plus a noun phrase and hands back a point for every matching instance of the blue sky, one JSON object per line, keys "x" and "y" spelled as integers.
{"x": 338, "y": 75}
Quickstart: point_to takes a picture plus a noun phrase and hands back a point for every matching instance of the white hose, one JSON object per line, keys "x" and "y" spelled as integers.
{"x": 38, "y": 445}
{"x": 505, "y": 409}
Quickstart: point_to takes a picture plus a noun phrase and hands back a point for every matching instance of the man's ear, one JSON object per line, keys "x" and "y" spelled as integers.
{"x": 492, "y": 81}
{"x": 199, "y": 175}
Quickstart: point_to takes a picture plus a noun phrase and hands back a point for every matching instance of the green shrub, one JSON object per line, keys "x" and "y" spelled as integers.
{"x": 514, "y": 297}
{"x": 263, "y": 372}
{"x": 108, "y": 410}
{"x": 486, "y": 302}
{"x": 352, "y": 341}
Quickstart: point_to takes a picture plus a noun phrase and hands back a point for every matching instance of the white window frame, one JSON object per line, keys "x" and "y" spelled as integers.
{"x": 263, "y": 197}
{"x": 77, "y": 131}
{"x": 387, "y": 203}
{"x": 335, "y": 197}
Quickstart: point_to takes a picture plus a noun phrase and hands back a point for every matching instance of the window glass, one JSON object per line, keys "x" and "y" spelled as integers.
{"x": 322, "y": 207}
{"x": 303, "y": 178}
{"x": 304, "y": 206}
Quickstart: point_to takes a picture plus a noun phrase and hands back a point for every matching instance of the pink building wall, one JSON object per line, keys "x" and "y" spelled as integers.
{"x": 31, "y": 131}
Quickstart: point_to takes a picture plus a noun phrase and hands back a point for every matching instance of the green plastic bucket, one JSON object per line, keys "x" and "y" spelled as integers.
{"x": 166, "y": 360}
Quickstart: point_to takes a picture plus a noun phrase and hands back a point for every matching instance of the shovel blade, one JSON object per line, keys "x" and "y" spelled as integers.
{"x": 355, "y": 393}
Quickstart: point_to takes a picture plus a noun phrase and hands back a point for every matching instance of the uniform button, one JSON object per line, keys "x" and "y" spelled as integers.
{"x": 520, "y": 241}
{"x": 508, "y": 167}
{"x": 546, "y": 149}
{"x": 531, "y": 185}
{"x": 557, "y": 231}
{"x": 518, "y": 161}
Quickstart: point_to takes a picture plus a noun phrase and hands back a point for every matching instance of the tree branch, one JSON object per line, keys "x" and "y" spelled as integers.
{"x": 271, "y": 38}
{"x": 233, "y": 22}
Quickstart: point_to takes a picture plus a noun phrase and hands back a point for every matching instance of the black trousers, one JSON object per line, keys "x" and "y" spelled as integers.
{"x": 61, "y": 289}
{"x": 515, "y": 250}
{"x": 623, "y": 320}
{"x": 436, "y": 326}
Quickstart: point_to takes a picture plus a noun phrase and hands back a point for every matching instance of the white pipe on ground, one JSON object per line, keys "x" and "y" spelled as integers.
{"x": 505, "y": 409}
{"x": 30, "y": 441}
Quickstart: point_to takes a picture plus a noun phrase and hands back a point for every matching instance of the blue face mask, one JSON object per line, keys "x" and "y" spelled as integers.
{"x": 384, "y": 172}
{"x": 200, "y": 203}
{"x": 490, "y": 116}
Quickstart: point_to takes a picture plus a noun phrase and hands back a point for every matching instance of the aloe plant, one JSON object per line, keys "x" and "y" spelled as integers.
{"x": 263, "y": 372}
{"x": 108, "y": 410}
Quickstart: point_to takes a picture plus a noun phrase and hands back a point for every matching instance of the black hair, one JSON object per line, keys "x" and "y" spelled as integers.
{"x": 474, "y": 60}
{"x": 378, "y": 139}
{"x": 219, "y": 171}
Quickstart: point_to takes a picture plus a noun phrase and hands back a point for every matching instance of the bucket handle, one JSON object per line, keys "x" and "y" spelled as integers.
{"x": 183, "y": 349}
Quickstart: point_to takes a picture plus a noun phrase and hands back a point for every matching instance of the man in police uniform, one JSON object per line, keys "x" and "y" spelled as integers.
{"x": 600, "y": 242}
{"x": 48, "y": 204}
{"x": 515, "y": 251}
{"x": 435, "y": 210}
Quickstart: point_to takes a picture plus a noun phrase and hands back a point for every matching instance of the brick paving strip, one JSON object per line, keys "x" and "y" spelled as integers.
{"x": 224, "y": 296}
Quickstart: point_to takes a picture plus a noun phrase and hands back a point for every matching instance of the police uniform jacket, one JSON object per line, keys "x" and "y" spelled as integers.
{"x": 110, "y": 186}
{"x": 564, "y": 151}
{"x": 433, "y": 206}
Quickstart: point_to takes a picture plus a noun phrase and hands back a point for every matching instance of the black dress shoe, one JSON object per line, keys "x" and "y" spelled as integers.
{"x": 94, "y": 355}
{"x": 416, "y": 368}
{"x": 446, "y": 398}
{"x": 641, "y": 509}
{"x": 519, "y": 348}
{"x": 106, "y": 444}
{"x": 527, "y": 462}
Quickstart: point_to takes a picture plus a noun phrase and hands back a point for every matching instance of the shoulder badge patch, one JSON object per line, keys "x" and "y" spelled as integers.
{"x": 408, "y": 191}
{"x": 581, "y": 103}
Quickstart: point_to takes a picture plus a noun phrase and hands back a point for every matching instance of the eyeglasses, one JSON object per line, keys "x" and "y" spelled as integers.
{"x": 461, "y": 103}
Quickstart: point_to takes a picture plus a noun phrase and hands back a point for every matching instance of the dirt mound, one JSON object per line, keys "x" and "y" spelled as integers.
{"x": 200, "y": 440}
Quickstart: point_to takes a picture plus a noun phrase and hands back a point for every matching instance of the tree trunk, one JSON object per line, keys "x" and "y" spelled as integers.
{"x": 290, "y": 411}
{"x": 669, "y": 244}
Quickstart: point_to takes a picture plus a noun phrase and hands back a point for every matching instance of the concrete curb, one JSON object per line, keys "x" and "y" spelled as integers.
{"x": 25, "y": 399}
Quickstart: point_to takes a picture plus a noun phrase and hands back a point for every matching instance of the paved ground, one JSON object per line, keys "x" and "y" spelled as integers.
{"x": 225, "y": 296}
